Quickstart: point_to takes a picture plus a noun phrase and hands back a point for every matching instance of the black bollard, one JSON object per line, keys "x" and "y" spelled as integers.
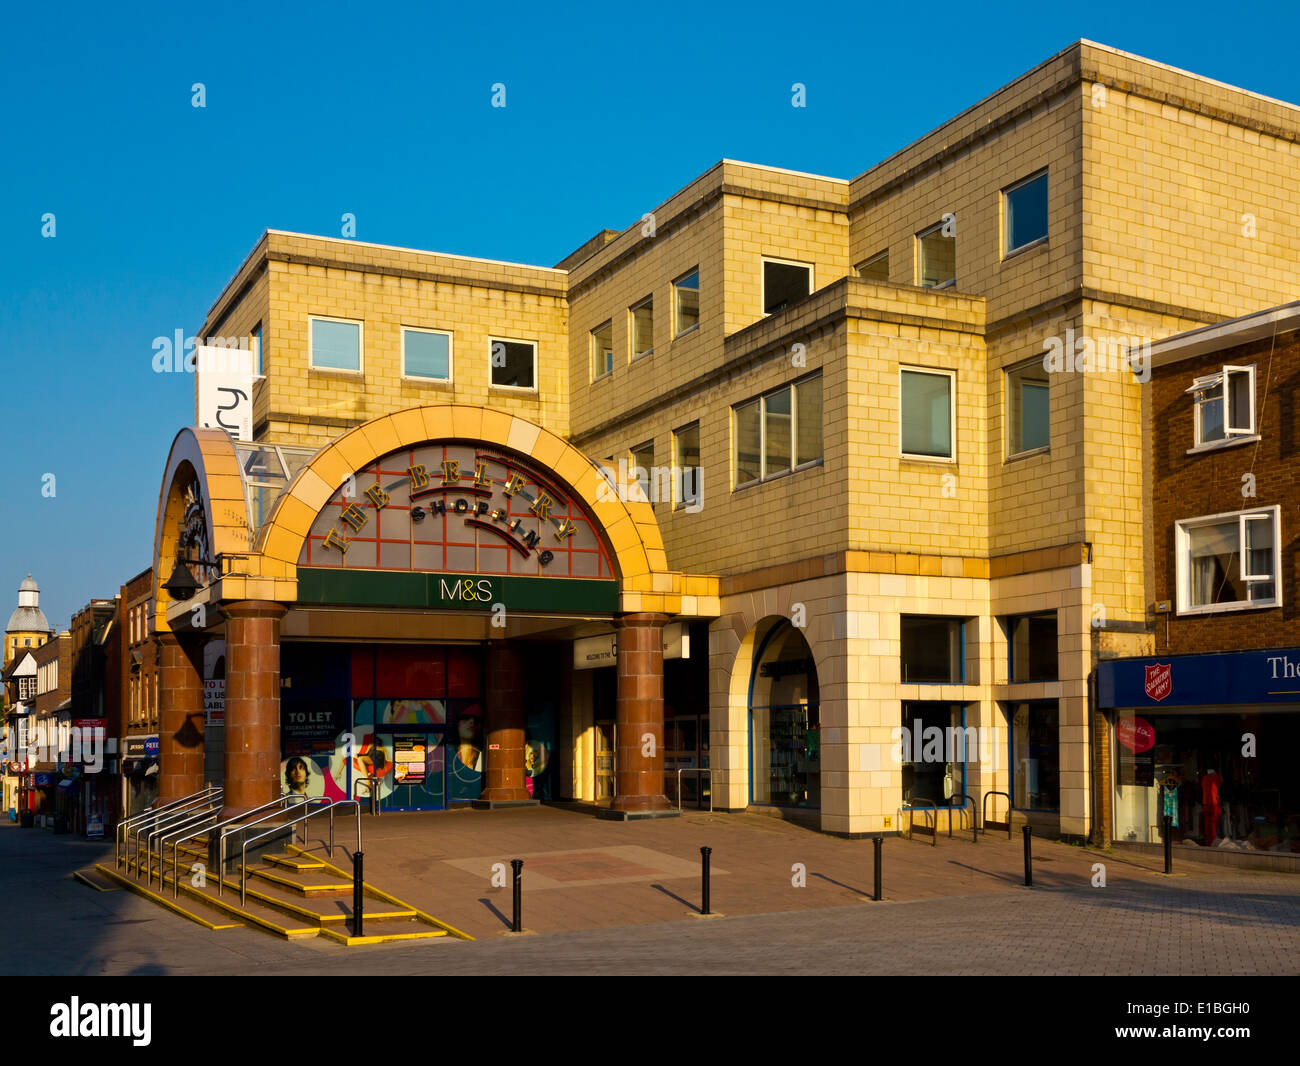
{"x": 879, "y": 843}
{"x": 704, "y": 873}
{"x": 1169, "y": 845}
{"x": 1029, "y": 858}
{"x": 517, "y": 925}
{"x": 358, "y": 895}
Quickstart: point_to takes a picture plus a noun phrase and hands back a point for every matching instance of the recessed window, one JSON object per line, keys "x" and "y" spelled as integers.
{"x": 514, "y": 364}
{"x": 426, "y": 354}
{"x": 686, "y": 302}
{"x": 335, "y": 344}
{"x": 876, "y": 268}
{"x": 926, "y": 413}
{"x": 1025, "y": 213}
{"x": 642, "y": 318}
{"x": 1031, "y": 647}
{"x": 784, "y": 282}
{"x": 936, "y": 256}
{"x": 686, "y": 467}
{"x": 643, "y": 461}
{"x": 255, "y": 345}
{"x": 1219, "y": 421}
{"x": 1229, "y": 561}
{"x": 778, "y": 432}
{"x": 1028, "y": 410}
{"x": 1035, "y": 755}
{"x": 931, "y": 650}
{"x": 602, "y": 350}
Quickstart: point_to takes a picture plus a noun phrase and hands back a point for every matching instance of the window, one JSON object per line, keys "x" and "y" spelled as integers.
{"x": 1213, "y": 424}
{"x": 426, "y": 353}
{"x": 686, "y": 302}
{"x": 1031, "y": 646}
{"x": 643, "y": 461}
{"x": 1024, "y": 213}
{"x": 778, "y": 432}
{"x": 514, "y": 364}
{"x": 784, "y": 283}
{"x": 1214, "y": 574}
{"x": 602, "y": 350}
{"x": 1028, "y": 410}
{"x": 935, "y": 750}
{"x": 686, "y": 467}
{"x": 1035, "y": 755}
{"x": 335, "y": 344}
{"x": 255, "y": 345}
{"x": 643, "y": 328}
{"x": 876, "y": 268}
{"x": 931, "y": 650}
{"x": 936, "y": 257}
{"x": 926, "y": 413}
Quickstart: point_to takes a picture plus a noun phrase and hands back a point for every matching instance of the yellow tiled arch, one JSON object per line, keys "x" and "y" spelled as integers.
{"x": 208, "y": 456}
{"x": 630, "y": 527}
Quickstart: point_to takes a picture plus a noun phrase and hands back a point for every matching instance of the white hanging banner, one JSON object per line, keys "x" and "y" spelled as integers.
{"x": 225, "y": 390}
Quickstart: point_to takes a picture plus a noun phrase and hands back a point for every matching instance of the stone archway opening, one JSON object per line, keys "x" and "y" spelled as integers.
{"x": 784, "y": 719}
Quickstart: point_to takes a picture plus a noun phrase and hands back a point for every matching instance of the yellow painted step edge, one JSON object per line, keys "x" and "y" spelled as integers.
{"x": 220, "y": 904}
{"x": 147, "y": 893}
{"x": 381, "y": 938}
{"x": 77, "y": 875}
{"x": 281, "y": 860}
{"x": 459, "y": 934}
{"x": 298, "y": 886}
{"x": 307, "y": 912}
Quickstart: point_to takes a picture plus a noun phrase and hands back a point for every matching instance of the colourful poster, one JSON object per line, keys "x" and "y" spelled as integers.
{"x": 409, "y": 752}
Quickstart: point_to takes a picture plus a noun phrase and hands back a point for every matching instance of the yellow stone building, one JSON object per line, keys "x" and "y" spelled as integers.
{"x": 909, "y": 409}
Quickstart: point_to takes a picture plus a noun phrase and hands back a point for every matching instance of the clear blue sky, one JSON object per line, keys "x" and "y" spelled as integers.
{"x": 384, "y": 111}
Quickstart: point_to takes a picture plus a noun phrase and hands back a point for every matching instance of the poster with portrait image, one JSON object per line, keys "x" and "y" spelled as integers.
{"x": 465, "y": 750}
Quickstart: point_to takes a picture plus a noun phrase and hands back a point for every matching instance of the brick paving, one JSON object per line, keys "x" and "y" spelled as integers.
{"x": 957, "y": 909}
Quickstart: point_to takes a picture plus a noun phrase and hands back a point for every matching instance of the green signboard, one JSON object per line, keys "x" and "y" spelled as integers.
{"x": 474, "y": 592}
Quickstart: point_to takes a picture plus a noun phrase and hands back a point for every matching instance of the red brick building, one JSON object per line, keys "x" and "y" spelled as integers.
{"x": 1203, "y": 731}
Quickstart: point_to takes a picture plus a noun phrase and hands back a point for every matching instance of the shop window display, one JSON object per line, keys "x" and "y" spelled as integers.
{"x": 1223, "y": 779}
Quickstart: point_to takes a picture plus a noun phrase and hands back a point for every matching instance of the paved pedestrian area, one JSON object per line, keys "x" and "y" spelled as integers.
{"x": 613, "y": 898}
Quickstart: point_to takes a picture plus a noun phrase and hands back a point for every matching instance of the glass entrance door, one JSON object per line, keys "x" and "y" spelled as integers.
{"x": 605, "y": 733}
{"x": 686, "y": 747}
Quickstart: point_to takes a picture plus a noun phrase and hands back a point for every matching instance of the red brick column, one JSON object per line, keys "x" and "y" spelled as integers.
{"x": 503, "y": 766}
{"x": 252, "y": 772}
{"x": 640, "y": 710}
{"x": 180, "y": 716}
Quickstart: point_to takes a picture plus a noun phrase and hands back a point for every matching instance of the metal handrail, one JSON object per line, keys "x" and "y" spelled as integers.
{"x": 205, "y": 799}
{"x": 201, "y": 818}
{"x": 330, "y": 806}
{"x": 277, "y": 802}
{"x": 119, "y": 833}
{"x": 694, "y": 770}
{"x": 283, "y": 801}
{"x": 373, "y": 796}
{"x": 933, "y": 819}
{"x": 997, "y": 824}
{"x": 173, "y": 820}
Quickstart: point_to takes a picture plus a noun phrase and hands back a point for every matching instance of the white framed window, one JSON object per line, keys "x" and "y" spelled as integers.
{"x": 641, "y": 327}
{"x": 936, "y": 257}
{"x": 785, "y": 281}
{"x": 255, "y": 346}
{"x": 641, "y": 460}
{"x": 927, "y": 417}
{"x": 1024, "y": 213}
{"x": 335, "y": 344}
{"x": 777, "y": 432}
{"x": 602, "y": 351}
{"x": 876, "y": 268}
{"x": 1225, "y": 405}
{"x": 686, "y": 303}
{"x": 1229, "y": 562}
{"x": 426, "y": 354}
{"x": 512, "y": 364}
{"x": 1028, "y": 409}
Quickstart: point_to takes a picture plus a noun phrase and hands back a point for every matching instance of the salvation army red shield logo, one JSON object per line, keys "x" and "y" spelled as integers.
{"x": 1159, "y": 680}
{"x": 1136, "y": 734}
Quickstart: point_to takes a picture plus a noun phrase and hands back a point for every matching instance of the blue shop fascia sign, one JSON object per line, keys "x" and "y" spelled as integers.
{"x": 1269, "y": 676}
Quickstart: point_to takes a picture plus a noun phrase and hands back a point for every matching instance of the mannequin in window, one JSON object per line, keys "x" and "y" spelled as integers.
{"x": 1211, "y": 805}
